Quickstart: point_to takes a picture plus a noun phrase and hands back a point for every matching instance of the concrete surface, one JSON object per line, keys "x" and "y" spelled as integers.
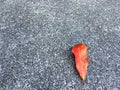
{"x": 36, "y": 38}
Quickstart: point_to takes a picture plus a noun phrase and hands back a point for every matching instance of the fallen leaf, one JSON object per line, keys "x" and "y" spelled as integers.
{"x": 81, "y": 59}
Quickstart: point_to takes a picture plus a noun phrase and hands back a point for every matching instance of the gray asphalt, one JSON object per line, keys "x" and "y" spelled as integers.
{"x": 36, "y": 38}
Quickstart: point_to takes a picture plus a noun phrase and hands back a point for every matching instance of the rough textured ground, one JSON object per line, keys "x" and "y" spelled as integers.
{"x": 36, "y": 38}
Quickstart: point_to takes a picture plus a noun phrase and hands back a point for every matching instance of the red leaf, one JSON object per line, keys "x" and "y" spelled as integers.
{"x": 81, "y": 59}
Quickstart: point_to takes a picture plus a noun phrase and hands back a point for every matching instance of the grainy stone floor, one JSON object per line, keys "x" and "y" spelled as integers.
{"x": 36, "y": 38}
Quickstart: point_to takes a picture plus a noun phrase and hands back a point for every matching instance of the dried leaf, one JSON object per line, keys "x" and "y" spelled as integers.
{"x": 81, "y": 59}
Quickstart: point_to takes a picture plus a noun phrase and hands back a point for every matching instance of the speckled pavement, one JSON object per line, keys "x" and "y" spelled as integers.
{"x": 36, "y": 38}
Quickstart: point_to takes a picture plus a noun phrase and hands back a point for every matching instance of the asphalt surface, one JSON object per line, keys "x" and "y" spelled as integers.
{"x": 36, "y": 38}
